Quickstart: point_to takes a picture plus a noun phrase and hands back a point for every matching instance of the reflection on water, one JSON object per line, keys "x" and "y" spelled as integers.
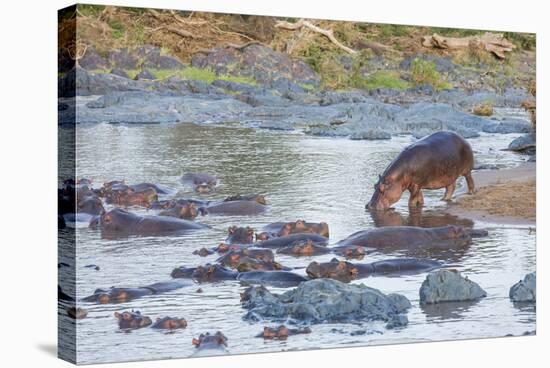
{"x": 314, "y": 178}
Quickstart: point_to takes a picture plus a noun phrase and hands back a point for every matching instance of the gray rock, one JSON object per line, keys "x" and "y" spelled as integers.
{"x": 449, "y": 286}
{"x": 525, "y": 290}
{"x": 508, "y": 126}
{"x": 319, "y": 300}
{"x": 145, "y": 74}
{"x": 119, "y": 72}
{"x": 523, "y": 143}
{"x": 372, "y": 134}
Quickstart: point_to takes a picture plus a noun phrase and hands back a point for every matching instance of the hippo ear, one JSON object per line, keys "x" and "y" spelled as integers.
{"x": 195, "y": 342}
{"x": 118, "y": 315}
{"x": 250, "y": 231}
{"x": 231, "y": 229}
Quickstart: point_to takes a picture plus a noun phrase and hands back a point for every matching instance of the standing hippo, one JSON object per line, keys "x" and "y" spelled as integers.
{"x": 406, "y": 237}
{"x": 118, "y": 222}
{"x": 346, "y": 271}
{"x": 433, "y": 162}
{"x": 201, "y": 182}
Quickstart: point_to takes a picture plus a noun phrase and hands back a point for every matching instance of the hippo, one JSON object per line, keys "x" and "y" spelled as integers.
{"x": 120, "y": 223}
{"x": 211, "y": 344}
{"x": 290, "y": 240}
{"x": 203, "y": 252}
{"x": 186, "y": 211}
{"x": 305, "y": 248}
{"x": 300, "y": 226}
{"x": 223, "y": 248}
{"x": 77, "y": 313}
{"x": 247, "y": 264}
{"x": 406, "y": 237}
{"x": 61, "y": 295}
{"x": 124, "y": 195}
{"x": 346, "y": 271}
{"x": 160, "y": 189}
{"x": 282, "y": 332}
{"x": 89, "y": 204}
{"x": 259, "y": 198}
{"x": 349, "y": 251}
{"x": 206, "y": 273}
{"x": 124, "y": 294}
{"x": 433, "y": 162}
{"x": 233, "y": 257}
{"x": 201, "y": 182}
{"x": 240, "y": 235}
{"x": 235, "y": 208}
{"x": 273, "y": 278}
{"x": 169, "y": 323}
{"x": 132, "y": 320}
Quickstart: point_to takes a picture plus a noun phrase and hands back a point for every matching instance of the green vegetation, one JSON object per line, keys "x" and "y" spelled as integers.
{"x": 87, "y": 10}
{"x": 393, "y": 30}
{"x": 117, "y": 29}
{"x": 424, "y": 72}
{"x": 381, "y": 79}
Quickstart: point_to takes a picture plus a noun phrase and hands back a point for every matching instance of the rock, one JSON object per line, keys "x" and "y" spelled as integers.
{"x": 442, "y": 64}
{"x": 523, "y": 143}
{"x": 532, "y": 158}
{"x": 508, "y": 126}
{"x": 319, "y": 300}
{"x": 124, "y": 59}
{"x": 145, "y": 74}
{"x": 525, "y": 290}
{"x": 119, "y": 72}
{"x": 261, "y": 63}
{"x": 486, "y": 167}
{"x": 449, "y": 286}
{"x": 92, "y": 60}
{"x": 370, "y": 135}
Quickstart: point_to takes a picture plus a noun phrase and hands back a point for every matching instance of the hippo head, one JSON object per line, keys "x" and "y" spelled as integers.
{"x": 169, "y": 323}
{"x": 354, "y": 252}
{"x": 280, "y": 332}
{"x": 91, "y": 205}
{"x": 454, "y": 232}
{"x": 218, "y": 340}
{"x": 211, "y": 273}
{"x": 117, "y": 220}
{"x": 205, "y": 188}
{"x": 186, "y": 210}
{"x": 387, "y": 191}
{"x": 240, "y": 235}
{"x": 305, "y": 248}
{"x": 113, "y": 295}
{"x": 263, "y": 236}
{"x": 247, "y": 264}
{"x": 132, "y": 320}
{"x": 335, "y": 269}
{"x": 287, "y": 229}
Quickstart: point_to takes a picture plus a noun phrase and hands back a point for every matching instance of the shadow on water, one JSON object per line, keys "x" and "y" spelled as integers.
{"x": 448, "y": 310}
{"x": 417, "y": 217}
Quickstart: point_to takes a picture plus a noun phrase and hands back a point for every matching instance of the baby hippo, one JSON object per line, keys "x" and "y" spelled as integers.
{"x": 169, "y": 323}
{"x": 132, "y": 320}
{"x": 187, "y": 211}
{"x": 240, "y": 235}
{"x": 282, "y": 332}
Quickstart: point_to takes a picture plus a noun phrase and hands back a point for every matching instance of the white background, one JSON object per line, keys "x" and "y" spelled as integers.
{"x": 28, "y": 87}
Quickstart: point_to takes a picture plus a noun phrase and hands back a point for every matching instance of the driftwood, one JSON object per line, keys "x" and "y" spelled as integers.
{"x": 494, "y": 43}
{"x": 328, "y": 33}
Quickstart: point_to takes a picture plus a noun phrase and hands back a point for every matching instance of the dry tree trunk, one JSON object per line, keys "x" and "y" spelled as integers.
{"x": 328, "y": 33}
{"x": 494, "y": 43}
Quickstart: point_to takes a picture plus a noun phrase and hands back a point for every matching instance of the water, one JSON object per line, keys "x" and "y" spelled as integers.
{"x": 314, "y": 178}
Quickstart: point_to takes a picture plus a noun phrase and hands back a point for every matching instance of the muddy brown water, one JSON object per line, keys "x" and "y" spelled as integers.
{"x": 303, "y": 177}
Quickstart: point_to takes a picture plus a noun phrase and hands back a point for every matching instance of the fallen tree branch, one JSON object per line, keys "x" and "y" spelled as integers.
{"x": 231, "y": 45}
{"x": 180, "y": 32}
{"x": 494, "y": 43}
{"x": 328, "y": 33}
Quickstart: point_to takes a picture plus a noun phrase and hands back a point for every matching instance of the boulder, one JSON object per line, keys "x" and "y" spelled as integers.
{"x": 145, "y": 74}
{"x": 525, "y": 290}
{"x": 449, "y": 286}
{"x": 524, "y": 143}
{"x": 320, "y": 300}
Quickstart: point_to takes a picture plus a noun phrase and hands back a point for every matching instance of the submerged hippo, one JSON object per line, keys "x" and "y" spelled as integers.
{"x": 77, "y": 313}
{"x": 233, "y": 258}
{"x": 282, "y": 332}
{"x": 235, "y": 208}
{"x": 186, "y": 211}
{"x": 290, "y": 240}
{"x": 273, "y": 278}
{"x": 132, "y": 320}
{"x": 124, "y": 195}
{"x": 259, "y": 198}
{"x": 247, "y": 264}
{"x": 207, "y": 342}
{"x": 433, "y": 162}
{"x": 240, "y": 235}
{"x": 201, "y": 182}
{"x": 300, "y": 226}
{"x": 206, "y": 273}
{"x": 119, "y": 222}
{"x": 306, "y": 248}
{"x": 169, "y": 323}
{"x": 123, "y": 294}
{"x": 405, "y": 237}
{"x": 346, "y": 271}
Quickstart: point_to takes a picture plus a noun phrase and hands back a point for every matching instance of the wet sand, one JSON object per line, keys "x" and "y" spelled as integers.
{"x": 503, "y": 196}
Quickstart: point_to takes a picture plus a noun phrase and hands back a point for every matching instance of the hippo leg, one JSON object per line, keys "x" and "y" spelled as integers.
{"x": 449, "y": 190}
{"x": 416, "y": 199}
{"x": 470, "y": 182}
